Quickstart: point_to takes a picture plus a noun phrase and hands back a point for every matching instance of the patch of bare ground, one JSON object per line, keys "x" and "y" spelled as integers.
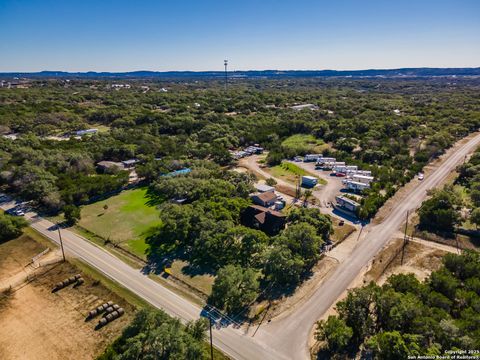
{"x": 16, "y": 254}
{"x": 39, "y": 324}
{"x": 416, "y": 258}
{"x": 404, "y": 191}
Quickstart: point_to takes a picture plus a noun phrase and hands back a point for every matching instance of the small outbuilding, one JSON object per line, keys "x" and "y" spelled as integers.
{"x": 262, "y": 188}
{"x": 105, "y": 166}
{"x": 309, "y": 181}
{"x": 345, "y": 203}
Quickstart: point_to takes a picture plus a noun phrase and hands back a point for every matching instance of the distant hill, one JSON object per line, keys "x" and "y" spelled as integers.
{"x": 406, "y": 72}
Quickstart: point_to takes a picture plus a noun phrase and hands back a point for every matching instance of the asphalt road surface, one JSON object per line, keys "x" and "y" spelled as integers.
{"x": 285, "y": 338}
{"x": 289, "y": 335}
{"x": 233, "y": 342}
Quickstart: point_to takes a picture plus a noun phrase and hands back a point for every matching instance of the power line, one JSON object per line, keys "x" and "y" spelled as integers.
{"x": 61, "y": 242}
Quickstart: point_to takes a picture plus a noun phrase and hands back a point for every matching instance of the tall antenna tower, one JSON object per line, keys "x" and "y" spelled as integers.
{"x": 225, "y": 62}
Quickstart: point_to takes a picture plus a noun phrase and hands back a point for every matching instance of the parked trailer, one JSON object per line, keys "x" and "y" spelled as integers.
{"x": 344, "y": 168}
{"x": 356, "y": 186}
{"x": 332, "y": 165}
{"x": 364, "y": 179}
{"x": 346, "y": 203}
{"x": 312, "y": 157}
{"x": 359, "y": 172}
{"x": 309, "y": 181}
{"x": 322, "y": 160}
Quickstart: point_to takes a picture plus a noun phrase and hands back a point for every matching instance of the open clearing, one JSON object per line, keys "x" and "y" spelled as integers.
{"x": 302, "y": 143}
{"x": 418, "y": 259}
{"x": 39, "y": 324}
{"x": 290, "y": 172}
{"x": 201, "y": 282}
{"x": 128, "y": 219}
{"x": 16, "y": 254}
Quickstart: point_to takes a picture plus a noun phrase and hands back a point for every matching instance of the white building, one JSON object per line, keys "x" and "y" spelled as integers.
{"x": 345, "y": 168}
{"x": 321, "y": 160}
{"x": 364, "y": 179}
{"x": 312, "y": 157}
{"x": 85, "y": 132}
{"x": 346, "y": 204}
{"x": 309, "y": 181}
{"x": 261, "y": 188}
{"x": 304, "y": 106}
{"x": 356, "y": 186}
{"x": 359, "y": 172}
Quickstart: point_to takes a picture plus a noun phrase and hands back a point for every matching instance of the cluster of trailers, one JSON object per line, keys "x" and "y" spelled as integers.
{"x": 249, "y": 150}
{"x": 355, "y": 179}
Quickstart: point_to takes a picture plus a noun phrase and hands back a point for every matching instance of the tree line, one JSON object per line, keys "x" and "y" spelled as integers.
{"x": 406, "y": 317}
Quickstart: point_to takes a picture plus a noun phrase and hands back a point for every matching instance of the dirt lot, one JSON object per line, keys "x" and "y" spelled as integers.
{"x": 39, "y": 324}
{"x": 417, "y": 259}
{"x": 16, "y": 254}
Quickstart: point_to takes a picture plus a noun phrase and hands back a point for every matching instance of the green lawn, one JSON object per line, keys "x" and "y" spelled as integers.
{"x": 289, "y": 172}
{"x": 302, "y": 143}
{"x": 127, "y": 220}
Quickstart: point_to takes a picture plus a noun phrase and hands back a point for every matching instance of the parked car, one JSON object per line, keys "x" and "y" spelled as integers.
{"x": 340, "y": 174}
{"x": 420, "y": 176}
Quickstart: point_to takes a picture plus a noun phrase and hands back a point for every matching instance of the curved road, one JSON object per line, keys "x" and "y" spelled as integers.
{"x": 285, "y": 338}
{"x": 290, "y": 334}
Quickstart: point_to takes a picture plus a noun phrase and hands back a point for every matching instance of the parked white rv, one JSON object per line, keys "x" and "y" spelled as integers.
{"x": 322, "y": 160}
{"x": 309, "y": 181}
{"x": 312, "y": 157}
{"x": 364, "y": 179}
{"x": 356, "y": 186}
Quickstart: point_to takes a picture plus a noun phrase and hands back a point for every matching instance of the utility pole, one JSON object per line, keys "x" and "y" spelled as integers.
{"x": 225, "y": 62}
{"x": 61, "y": 242}
{"x": 405, "y": 239}
{"x": 211, "y": 338}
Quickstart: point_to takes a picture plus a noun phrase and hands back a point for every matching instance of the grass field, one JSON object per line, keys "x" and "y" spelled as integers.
{"x": 201, "y": 282}
{"x": 128, "y": 219}
{"x": 302, "y": 143}
{"x": 289, "y": 172}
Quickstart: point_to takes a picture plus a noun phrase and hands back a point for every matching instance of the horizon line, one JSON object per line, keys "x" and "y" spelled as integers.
{"x": 235, "y": 70}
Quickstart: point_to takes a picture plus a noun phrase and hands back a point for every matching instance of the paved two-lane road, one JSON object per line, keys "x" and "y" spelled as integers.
{"x": 287, "y": 337}
{"x": 233, "y": 342}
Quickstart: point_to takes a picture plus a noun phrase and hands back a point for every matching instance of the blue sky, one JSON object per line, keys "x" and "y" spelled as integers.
{"x": 120, "y": 35}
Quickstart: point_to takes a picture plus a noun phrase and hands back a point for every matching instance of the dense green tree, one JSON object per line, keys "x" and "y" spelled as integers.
{"x": 312, "y": 216}
{"x": 335, "y": 332}
{"x": 475, "y": 217}
{"x": 439, "y": 213}
{"x": 11, "y": 227}
{"x": 72, "y": 214}
{"x": 405, "y": 317}
{"x": 155, "y": 335}
{"x": 282, "y": 266}
{"x": 302, "y": 239}
{"x": 394, "y": 345}
{"x": 234, "y": 288}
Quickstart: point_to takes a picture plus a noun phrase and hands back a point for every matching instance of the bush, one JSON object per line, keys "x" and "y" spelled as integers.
{"x": 11, "y": 227}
